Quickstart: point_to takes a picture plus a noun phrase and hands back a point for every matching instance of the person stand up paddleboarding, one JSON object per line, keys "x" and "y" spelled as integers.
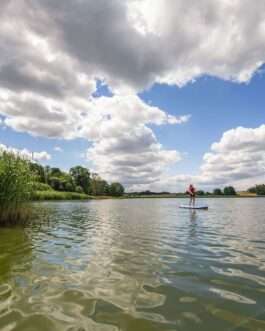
{"x": 192, "y": 193}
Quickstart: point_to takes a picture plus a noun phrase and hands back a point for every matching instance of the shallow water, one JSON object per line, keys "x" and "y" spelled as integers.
{"x": 136, "y": 265}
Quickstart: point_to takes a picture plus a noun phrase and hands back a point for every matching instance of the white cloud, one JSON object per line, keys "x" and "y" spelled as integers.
{"x": 53, "y": 52}
{"x": 117, "y": 127}
{"x": 182, "y": 39}
{"x": 202, "y": 37}
{"x": 165, "y": 183}
{"x": 124, "y": 147}
{"x": 58, "y": 149}
{"x": 25, "y": 153}
{"x": 238, "y": 156}
{"x": 237, "y": 159}
{"x": 62, "y": 46}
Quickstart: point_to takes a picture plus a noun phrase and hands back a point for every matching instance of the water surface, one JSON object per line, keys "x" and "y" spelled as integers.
{"x": 136, "y": 265}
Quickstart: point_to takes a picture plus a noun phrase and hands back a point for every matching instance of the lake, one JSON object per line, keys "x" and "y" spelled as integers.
{"x": 136, "y": 265}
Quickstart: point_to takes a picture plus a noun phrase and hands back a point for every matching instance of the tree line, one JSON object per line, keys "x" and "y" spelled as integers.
{"x": 228, "y": 190}
{"x": 21, "y": 181}
{"x": 258, "y": 189}
{"x": 79, "y": 179}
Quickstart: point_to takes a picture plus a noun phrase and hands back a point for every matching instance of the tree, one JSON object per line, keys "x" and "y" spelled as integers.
{"x": 200, "y": 192}
{"x": 56, "y": 183}
{"x": 69, "y": 186}
{"x": 81, "y": 177}
{"x": 38, "y": 170}
{"x": 260, "y": 189}
{"x": 55, "y": 172}
{"x": 116, "y": 189}
{"x": 60, "y": 181}
{"x": 217, "y": 191}
{"x": 98, "y": 185}
{"x": 47, "y": 170}
{"x": 229, "y": 190}
{"x": 104, "y": 187}
{"x": 252, "y": 189}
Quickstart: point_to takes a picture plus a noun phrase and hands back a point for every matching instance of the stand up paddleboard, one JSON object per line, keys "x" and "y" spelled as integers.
{"x": 193, "y": 207}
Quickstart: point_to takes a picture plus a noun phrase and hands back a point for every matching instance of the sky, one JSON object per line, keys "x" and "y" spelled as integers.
{"x": 153, "y": 94}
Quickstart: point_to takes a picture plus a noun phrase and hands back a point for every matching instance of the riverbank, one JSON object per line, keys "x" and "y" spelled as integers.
{"x": 182, "y": 196}
{"x": 58, "y": 195}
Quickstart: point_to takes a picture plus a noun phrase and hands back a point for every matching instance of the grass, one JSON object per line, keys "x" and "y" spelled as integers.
{"x": 15, "y": 188}
{"x": 56, "y": 195}
{"x": 59, "y": 195}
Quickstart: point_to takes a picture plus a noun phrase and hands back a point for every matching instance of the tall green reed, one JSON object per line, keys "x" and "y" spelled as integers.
{"x": 16, "y": 188}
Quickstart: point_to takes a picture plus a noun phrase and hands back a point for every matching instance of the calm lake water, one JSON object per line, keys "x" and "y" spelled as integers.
{"x": 136, "y": 265}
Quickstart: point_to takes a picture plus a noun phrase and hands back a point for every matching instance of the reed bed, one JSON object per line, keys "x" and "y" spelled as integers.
{"x": 56, "y": 195}
{"x": 16, "y": 189}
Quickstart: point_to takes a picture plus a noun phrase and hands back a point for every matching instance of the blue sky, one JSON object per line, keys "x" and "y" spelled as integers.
{"x": 135, "y": 92}
{"x": 215, "y": 105}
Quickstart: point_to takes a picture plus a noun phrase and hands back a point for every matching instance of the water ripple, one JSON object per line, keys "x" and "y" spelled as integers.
{"x": 136, "y": 265}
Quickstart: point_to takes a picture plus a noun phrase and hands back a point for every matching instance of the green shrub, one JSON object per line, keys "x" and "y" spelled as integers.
{"x": 16, "y": 188}
{"x": 69, "y": 187}
{"x": 37, "y": 186}
{"x": 79, "y": 189}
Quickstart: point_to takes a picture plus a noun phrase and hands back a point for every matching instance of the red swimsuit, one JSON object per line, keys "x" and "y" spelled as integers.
{"x": 192, "y": 191}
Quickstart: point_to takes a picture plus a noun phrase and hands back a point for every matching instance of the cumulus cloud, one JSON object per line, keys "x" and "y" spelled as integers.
{"x": 134, "y": 158}
{"x": 238, "y": 156}
{"x": 62, "y": 46}
{"x": 134, "y": 43}
{"x": 203, "y": 37}
{"x": 165, "y": 183}
{"x": 25, "y": 153}
{"x": 54, "y": 52}
{"x": 124, "y": 148}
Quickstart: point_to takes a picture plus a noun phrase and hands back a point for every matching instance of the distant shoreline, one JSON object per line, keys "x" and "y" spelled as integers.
{"x": 197, "y": 197}
{"x": 70, "y": 196}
